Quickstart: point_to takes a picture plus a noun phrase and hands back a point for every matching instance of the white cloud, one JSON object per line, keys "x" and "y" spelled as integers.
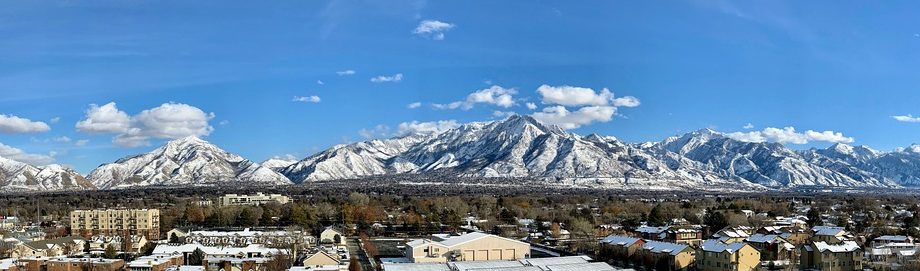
{"x": 62, "y": 139}
{"x": 495, "y": 95}
{"x": 382, "y": 79}
{"x": 378, "y": 131}
{"x": 431, "y": 127}
{"x": 28, "y": 158}
{"x": 906, "y": 118}
{"x": 104, "y": 119}
{"x": 408, "y": 128}
{"x": 320, "y": 82}
{"x": 307, "y": 99}
{"x": 432, "y": 29}
{"x": 167, "y": 121}
{"x": 748, "y": 126}
{"x": 559, "y": 115}
{"x": 502, "y": 114}
{"x": 626, "y": 101}
{"x": 289, "y": 157}
{"x": 81, "y": 142}
{"x": 579, "y": 96}
{"x": 531, "y": 106}
{"x": 828, "y": 136}
{"x": 15, "y": 125}
{"x": 54, "y": 120}
{"x": 224, "y": 122}
{"x": 789, "y": 135}
{"x": 345, "y": 72}
{"x": 414, "y": 105}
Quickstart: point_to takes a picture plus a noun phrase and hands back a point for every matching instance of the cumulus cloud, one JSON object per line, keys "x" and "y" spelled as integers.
{"x": 592, "y": 106}
{"x": 383, "y": 79}
{"x": 409, "y": 128}
{"x": 431, "y": 127}
{"x": 15, "y": 125}
{"x": 531, "y": 106}
{"x": 167, "y": 121}
{"x": 906, "y": 118}
{"x": 104, "y": 119}
{"x": 16, "y": 154}
{"x": 789, "y": 135}
{"x": 495, "y": 95}
{"x": 345, "y": 72}
{"x": 559, "y": 115}
{"x": 306, "y": 99}
{"x": 414, "y": 105}
{"x": 502, "y": 114}
{"x": 432, "y": 29}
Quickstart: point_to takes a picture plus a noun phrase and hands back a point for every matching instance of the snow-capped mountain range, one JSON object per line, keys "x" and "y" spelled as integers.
{"x": 518, "y": 146}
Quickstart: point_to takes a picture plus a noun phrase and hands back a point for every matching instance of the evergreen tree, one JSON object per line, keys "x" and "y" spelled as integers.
{"x": 110, "y": 252}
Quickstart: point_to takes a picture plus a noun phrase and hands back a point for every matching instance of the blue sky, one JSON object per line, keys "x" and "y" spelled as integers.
{"x": 230, "y": 71}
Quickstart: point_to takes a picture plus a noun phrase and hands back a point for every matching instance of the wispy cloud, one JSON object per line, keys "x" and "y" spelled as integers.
{"x": 306, "y": 99}
{"x": 789, "y": 135}
{"x": 345, "y": 72}
{"x": 432, "y": 29}
{"x": 383, "y": 79}
{"x": 906, "y": 118}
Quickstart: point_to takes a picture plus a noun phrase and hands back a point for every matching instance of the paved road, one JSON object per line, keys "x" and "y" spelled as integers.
{"x": 357, "y": 252}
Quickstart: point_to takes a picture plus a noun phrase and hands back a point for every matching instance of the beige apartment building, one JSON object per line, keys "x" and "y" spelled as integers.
{"x": 717, "y": 255}
{"x": 113, "y": 222}
{"x": 252, "y": 200}
{"x": 843, "y": 256}
{"x": 468, "y": 247}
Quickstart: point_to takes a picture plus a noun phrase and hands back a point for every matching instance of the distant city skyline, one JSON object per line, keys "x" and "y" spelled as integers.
{"x": 86, "y": 83}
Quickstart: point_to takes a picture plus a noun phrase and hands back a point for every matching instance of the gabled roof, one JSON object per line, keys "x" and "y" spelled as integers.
{"x": 765, "y": 238}
{"x": 652, "y": 230}
{"x": 893, "y": 238}
{"x": 620, "y": 240}
{"x": 49, "y": 243}
{"x": 714, "y": 245}
{"x": 664, "y": 247}
{"x": 324, "y": 254}
{"x": 828, "y": 231}
{"x": 846, "y": 246}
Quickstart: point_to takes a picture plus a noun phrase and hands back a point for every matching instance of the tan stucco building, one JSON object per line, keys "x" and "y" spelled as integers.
{"x": 717, "y": 255}
{"x": 843, "y": 256}
{"x": 87, "y": 223}
{"x": 467, "y": 247}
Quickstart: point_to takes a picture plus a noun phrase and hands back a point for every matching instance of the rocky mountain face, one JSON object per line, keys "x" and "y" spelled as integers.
{"x": 18, "y": 176}
{"x": 187, "y": 161}
{"x": 518, "y": 146}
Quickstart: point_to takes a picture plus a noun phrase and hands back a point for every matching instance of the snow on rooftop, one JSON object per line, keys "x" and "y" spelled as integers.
{"x": 469, "y": 265}
{"x": 582, "y": 267}
{"x": 713, "y": 245}
{"x": 846, "y": 246}
{"x": 620, "y": 240}
{"x": 664, "y": 247}
{"x": 542, "y": 262}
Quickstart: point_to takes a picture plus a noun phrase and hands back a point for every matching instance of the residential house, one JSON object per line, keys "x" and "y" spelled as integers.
{"x": 772, "y": 247}
{"x": 830, "y": 235}
{"x": 652, "y": 233}
{"x": 888, "y": 239}
{"x": 82, "y": 264}
{"x": 716, "y": 255}
{"x": 620, "y": 248}
{"x": 160, "y": 262}
{"x": 63, "y": 246}
{"x": 684, "y": 235}
{"x": 330, "y": 236}
{"x": 99, "y": 243}
{"x": 324, "y": 260}
{"x": 841, "y": 256}
{"x": 666, "y": 256}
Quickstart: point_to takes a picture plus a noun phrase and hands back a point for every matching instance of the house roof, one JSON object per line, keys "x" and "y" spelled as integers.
{"x": 894, "y": 238}
{"x": 846, "y": 246}
{"x": 620, "y": 240}
{"x": 652, "y": 230}
{"x": 543, "y": 262}
{"x": 828, "y": 231}
{"x": 764, "y": 238}
{"x": 664, "y": 247}
{"x": 714, "y": 245}
{"x": 49, "y": 243}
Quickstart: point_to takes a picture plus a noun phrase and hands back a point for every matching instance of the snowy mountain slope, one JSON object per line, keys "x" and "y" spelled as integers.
{"x": 277, "y": 164}
{"x": 186, "y": 161}
{"x": 768, "y": 164}
{"x": 518, "y": 146}
{"x": 18, "y": 176}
